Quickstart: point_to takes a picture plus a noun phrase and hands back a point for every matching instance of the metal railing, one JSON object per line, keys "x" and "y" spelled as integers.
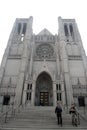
{"x": 8, "y": 114}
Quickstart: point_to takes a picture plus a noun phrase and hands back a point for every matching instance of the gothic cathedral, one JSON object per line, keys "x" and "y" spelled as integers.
{"x": 39, "y": 70}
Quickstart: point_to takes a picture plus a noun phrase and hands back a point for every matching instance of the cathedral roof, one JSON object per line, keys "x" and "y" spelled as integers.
{"x": 45, "y": 32}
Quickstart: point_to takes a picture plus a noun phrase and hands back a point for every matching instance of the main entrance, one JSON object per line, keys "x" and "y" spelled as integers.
{"x": 44, "y": 90}
{"x": 44, "y": 98}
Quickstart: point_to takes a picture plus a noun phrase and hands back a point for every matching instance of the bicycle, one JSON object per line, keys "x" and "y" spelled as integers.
{"x": 75, "y": 119}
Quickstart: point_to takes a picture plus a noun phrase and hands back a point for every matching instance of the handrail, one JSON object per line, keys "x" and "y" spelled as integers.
{"x": 10, "y": 112}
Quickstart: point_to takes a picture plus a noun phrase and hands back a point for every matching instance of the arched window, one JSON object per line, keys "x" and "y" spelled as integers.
{"x": 24, "y": 29}
{"x": 71, "y": 29}
{"x": 66, "y": 30}
{"x": 19, "y": 28}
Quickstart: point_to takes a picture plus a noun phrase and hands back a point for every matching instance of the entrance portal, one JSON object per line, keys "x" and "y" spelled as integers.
{"x": 44, "y": 90}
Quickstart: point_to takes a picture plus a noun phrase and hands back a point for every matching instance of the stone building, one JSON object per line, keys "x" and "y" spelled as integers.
{"x": 41, "y": 69}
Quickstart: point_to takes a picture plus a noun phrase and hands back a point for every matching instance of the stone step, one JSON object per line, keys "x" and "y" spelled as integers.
{"x": 42, "y": 128}
{"x": 53, "y": 127}
{"x": 33, "y": 118}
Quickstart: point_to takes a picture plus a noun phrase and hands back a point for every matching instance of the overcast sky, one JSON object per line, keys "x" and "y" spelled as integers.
{"x": 45, "y": 15}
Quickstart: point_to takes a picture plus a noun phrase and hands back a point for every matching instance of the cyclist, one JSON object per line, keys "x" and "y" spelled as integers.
{"x": 74, "y": 114}
{"x": 72, "y": 109}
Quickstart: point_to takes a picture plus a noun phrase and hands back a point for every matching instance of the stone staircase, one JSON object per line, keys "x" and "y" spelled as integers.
{"x": 39, "y": 118}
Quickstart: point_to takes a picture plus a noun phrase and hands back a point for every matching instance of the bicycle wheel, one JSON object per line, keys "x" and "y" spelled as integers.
{"x": 75, "y": 122}
{"x": 78, "y": 120}
{"x": 72, "y": 119}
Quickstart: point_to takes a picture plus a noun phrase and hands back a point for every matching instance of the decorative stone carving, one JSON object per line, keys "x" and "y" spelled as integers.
{"x": 74, "y": 57}
{"x": 44, "y": 51}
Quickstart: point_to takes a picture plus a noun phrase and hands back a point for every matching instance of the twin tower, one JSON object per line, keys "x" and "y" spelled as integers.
{"x": 39, "y": 70}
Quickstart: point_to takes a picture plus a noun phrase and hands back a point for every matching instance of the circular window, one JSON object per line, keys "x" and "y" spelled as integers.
{"x": 44, "y": 51}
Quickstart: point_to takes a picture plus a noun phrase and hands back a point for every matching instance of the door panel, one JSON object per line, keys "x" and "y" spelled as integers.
{"x": 44, "y": 98}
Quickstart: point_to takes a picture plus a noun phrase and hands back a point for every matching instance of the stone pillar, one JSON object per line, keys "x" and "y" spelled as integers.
{"x": 68, "y": 90}
{"x": 66, "y": 75}
{"x": 33, "y": 93}
{"x": 63, "y": 94}
{"x": 54, "y": 94}
{"x": 18, "y": 96}
{"x": 1, "y": 100}
{"x": 57, "y": 54}
{"x": 24, "y": 94}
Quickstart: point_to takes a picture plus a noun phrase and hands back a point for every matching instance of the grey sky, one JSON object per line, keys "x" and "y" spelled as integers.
{"x": 45, "y": 14}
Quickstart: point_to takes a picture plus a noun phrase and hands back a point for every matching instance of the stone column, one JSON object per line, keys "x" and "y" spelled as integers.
{"x": 54, "y": 94}
{"x": 1, "y": 100}
{"x": 63, "y": 94}
{"x": 66, "y": 75}
{"x": 68, "y": 90}
{"x": 24, "y": 94}
{"x": 18, "y": 96}
{"x": 57, "y": 54}
{"x": 33, "y": 93}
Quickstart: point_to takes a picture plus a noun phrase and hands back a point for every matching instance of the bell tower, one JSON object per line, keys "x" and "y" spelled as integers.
{"x": 73, "y": 58}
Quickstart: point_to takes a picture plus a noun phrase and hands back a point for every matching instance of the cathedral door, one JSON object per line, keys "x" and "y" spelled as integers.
{"x": 44, "y": 98}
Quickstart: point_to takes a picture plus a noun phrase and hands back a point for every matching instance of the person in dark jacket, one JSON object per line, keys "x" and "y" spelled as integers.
{"x": 58, "y": 111}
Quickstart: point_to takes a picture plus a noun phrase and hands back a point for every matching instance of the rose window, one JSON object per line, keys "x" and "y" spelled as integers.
{"x": 44, "y": 51}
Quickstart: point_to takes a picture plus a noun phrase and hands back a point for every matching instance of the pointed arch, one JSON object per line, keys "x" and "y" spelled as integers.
{"x": 66, "y": 30}
{"x": 24, "y": 28}
{"x": 44, "y": 72}
{"x": 19, "y": 28}
{"x": 71, "y": 29}
{"x": 44, "y": 90}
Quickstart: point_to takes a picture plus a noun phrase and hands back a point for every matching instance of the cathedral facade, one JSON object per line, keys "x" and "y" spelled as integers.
{"x": 39, "y": 70}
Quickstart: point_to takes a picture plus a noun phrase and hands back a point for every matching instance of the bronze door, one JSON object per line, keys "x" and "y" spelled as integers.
{"x": 44, "y": 98}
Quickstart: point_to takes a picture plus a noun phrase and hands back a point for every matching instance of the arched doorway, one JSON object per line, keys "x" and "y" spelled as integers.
{"x": 44, "y": 90}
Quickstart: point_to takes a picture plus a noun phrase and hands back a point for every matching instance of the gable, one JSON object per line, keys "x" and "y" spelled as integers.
{"x": 45, "y": 32}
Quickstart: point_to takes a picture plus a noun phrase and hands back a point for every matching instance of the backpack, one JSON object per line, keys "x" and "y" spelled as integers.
{"x": 58, "y": 110}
